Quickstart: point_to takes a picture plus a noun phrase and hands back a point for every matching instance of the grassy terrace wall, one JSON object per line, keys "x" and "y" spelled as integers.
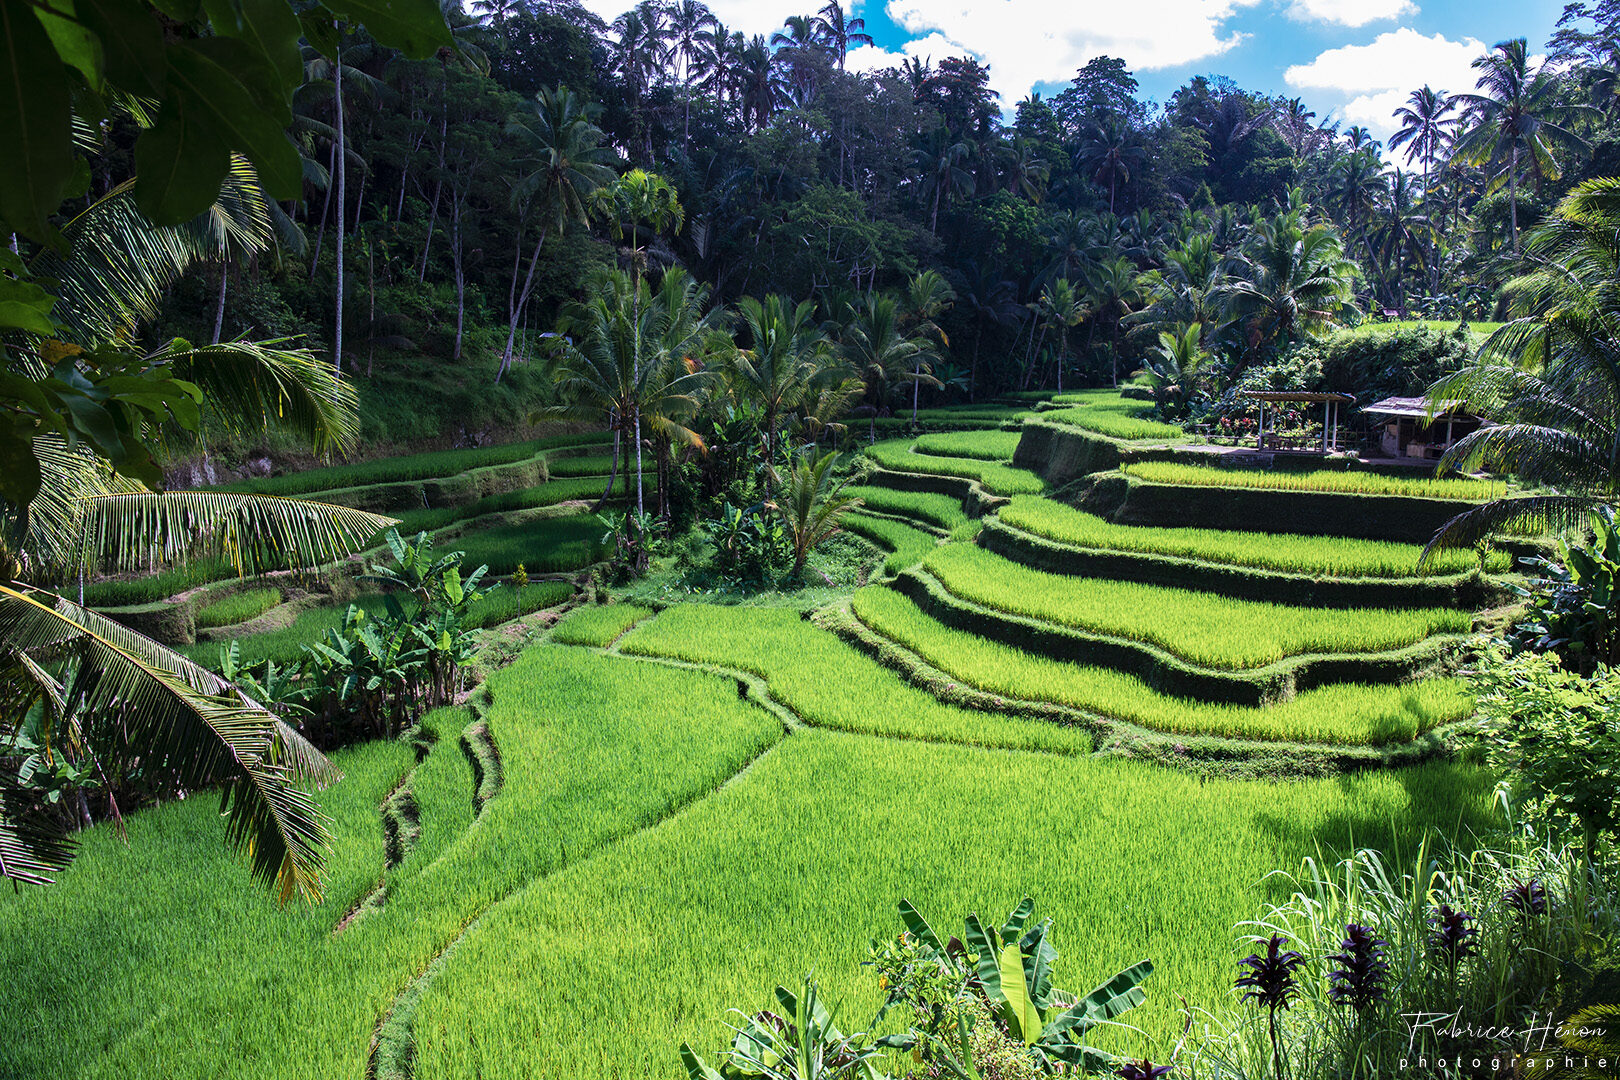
{"x": 1467, "y": 591}
{"x": 1169, "y": 674}
{"x": 1409, "y": 520}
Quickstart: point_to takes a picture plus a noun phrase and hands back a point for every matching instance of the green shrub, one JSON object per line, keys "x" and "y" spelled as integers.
{"x": 1354, "y": 482}
{"x": 238, "y": 607}
{"x": 1343, "y": 714}
{"x": 1203, "y": 628}
{"x": 1318, "y": 556}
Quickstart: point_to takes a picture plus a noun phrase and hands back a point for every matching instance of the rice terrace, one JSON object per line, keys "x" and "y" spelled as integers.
{"x": 540, "y": 542}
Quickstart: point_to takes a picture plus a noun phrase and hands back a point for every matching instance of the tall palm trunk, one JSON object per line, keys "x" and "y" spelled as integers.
{"x": 613, "y": 473}
{"x": 641, "y": 507}
{"x": 342, "y": 194}
{"x": 219, "y": 308}
{"x": 517, "y": 303}
{"x": 1513, "y": 194}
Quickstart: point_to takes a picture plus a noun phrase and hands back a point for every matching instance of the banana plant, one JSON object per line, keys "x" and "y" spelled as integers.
{"x": 1011, "y": 966}
{"x": 802, "y": 1042}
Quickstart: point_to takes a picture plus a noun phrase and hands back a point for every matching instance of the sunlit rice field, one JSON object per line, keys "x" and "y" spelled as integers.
{"x": 1345, "y": 714}
{"x": 1106, "y": 413}
{"x": 1319, "y": 556}
{"x": 906, "y": 545}
{"x": 1204, "y": 628}
{"x": 941, "y": 511}
{"x": 1358, "y": 483}
{"x": 996, "y": 478}
{"x": 985, "y": 445}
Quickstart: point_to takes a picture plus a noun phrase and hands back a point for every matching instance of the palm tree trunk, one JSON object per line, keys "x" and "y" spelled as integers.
{"x": 1513, "y": 195}
{"x": 916, "y": 389}
{"x": 326, "y": 210}
{"x": 641, "y": 507}
{"x": 342, "y": 192}
{"x": 219, "y": 309}
{"x": 613, "y": 473}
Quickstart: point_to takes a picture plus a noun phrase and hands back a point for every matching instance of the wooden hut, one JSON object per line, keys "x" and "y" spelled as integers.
{"x": 1408, "y": 431}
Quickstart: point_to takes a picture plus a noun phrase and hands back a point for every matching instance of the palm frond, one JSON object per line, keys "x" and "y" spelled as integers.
{"x": 1520, "y": 516}
{"x": 32, "y": 847}
{"x": 255, "y": 533}
{"x": 185, "y": 726}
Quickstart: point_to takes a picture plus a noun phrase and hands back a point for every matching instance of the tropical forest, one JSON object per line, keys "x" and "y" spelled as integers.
{"x": 550, "y": 542}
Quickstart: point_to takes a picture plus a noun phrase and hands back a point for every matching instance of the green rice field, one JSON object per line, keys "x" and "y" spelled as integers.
{"x": 542, "y": 545}
{"x": 941, "y": 511}
{"x": 598, "y": 625}
{"x": 1106, "y": 413}
{"x": 238, "y": 607}
{"x": 1357, "y": 483}
{"x": 1203, "y": 628}
{"x": 1318, "y": 556}
{"x": 906, "y": 545}
{"x": 996, "y": 478}
{"x": 984, "y": 445}
{"x": 1344, "y": 713}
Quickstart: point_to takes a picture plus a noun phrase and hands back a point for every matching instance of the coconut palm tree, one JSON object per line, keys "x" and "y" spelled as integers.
{"x": 79, "y": 686}
{"x": 1109, "y": 152}
{"x": 840, "y": 33}
{"x": 810, "y": 505}
{"x": 940, "y": 161}
{"x": 784, "y": 354}
{"x": 1062, "y": 307}
{"x": 570, "y": 161}
{"x": 760, "y": 86}
{"x": 1115, "y": 289}
{"x": 1428, "y": 128}
{"x": 1549, "y": 378}
{"x": 1291, "y": 280}
{"x": 1173, "y": 369}
{"x": 928, "y": 296}
{"x": 878, "y": 350}
{"x": 1515, "y": 123}
{"x": 689, "y": 22}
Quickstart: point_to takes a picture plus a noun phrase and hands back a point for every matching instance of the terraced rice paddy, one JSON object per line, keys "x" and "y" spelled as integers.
{"x": 548, "y": 494}
{"x": 941, "y": 511}
{"x": 905, "y": 544}
{"x": 1352, "y": 482}
{"x": 997, "y": 479}
{"x": 1106, "y": 413}
{"x": 238, "y": 607}
{"x": 984, "y": 445}
{"x": 1318, "y": 556}
{"x": 1199, "y": 627}
{"x": 598, "y": 625}
{"x": 542, "y": 545}
{"x": 1345, "y": 714}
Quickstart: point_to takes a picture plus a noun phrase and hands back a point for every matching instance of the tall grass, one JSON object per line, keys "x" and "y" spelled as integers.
{"x": 1344, "y": 714}
{"x": 1107, "y": 413}
{"x": 941, "y": 511}
{"x": 1358, "y": 483}
{"x": 906, "y": 546}
{"x": 996, "y": 478}
{"x": 604, "y": 968}
{"x": 1319, "y": 556}
{"x": 829, "y": 682}
{"x": 426, "y": 466}
{"x": 598, "y": 625}
{"x": 1204, "y": 628}
{"x": 985, "y": 445}
{"x": 238, "y": 607}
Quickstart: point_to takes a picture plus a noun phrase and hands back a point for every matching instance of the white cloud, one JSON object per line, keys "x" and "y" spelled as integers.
{"x": 872, "y": 58}
{"x": 1373, "y": 80}
{"x": 1033, "y": 41}
{"x": 1351, "y": 12}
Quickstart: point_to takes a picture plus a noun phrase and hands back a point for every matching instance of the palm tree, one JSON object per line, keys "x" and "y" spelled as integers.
{"x": 1355, "y": 186}
{"x": 1062, "y": 307}
{"x": 928, "y": 296}
{"x": 639, "y": 51}
{"x": 1173, "y": 369}
{"x": 939, "y": 159}
{"x": 689, "y": 21}
{"x": 1516, "y": 121}
{"x": 810, "y": 505}
{"x": 1401, "y": 235}
{"x": 570, "y": 160}
{"x": 783, "y": 356}
{"x": 1550, "y": 378}
{"x": 993, "y": 301}
{"x": 1291, "y": 280}
{"x": 111, "y": 698}
{"x": 1428, "y": 128}
{"x": 1115, "y": 290}
{"x": 839, "y": 32}
{"x": 1108, "y": 151}
{"x": 799, "y": 44}
{"x": 877, "y": 349}
{"x": 761, "y": 90}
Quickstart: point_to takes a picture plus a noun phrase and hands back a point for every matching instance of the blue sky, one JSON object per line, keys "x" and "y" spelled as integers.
{"x": 1354, "y": 59}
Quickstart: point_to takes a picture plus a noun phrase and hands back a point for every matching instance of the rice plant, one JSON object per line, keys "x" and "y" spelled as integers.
{"x": 1106, "y": 413}
{"x": 941, "y": 511}
{"x": 606, "y": 967}
{"x": 830, "y": 682}
{"x": 507, "y": 602}
{"x": 1344, "y": 714}
{"x": 543, "y": 545}
{"x": 984, "y": 445}
{"x": 906, "y": 545}
{"x": 159, "y": 585}
{"x": 1352, "y": 482}
{"x": 1318, "y": 556}
{"x": 584, "y": 465}
{"x": 1203, "y": 628}
{"x": 238, "y": 607}
{"x": 598, "y": 625}
{"x": 551, "y": 493}
{"x": 998, "y": 479}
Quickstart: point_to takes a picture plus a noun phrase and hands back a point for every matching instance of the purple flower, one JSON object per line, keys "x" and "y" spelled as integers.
{"x": 1270, "y": 978}
{"x": 1526, "y": 897}
{"x": 1359, "y": 969}
{"x": 1143, "y": 1070}
{"x": 1453, "y": 936}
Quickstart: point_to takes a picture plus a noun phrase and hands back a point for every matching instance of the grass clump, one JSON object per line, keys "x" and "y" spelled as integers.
{"x": 996, "y": 478}
{"x": 906, "y": 545}
{"x": 829, "y": 682}
{"x": 931, "y": 508}
{"x": 238, "y": 607}
{"x": 1318, "y": 556}
{"x": 1343, "y": 714}
{"x": 1203, "y": 628}
{"x": 599, "y": 625}
{"x": 984, "y": 445}
{"x": 1356, "y": 483}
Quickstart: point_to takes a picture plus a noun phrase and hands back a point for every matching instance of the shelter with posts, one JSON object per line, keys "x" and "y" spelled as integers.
{"x": 1406, "y": 430}
{"x": 1275, "y": 440}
